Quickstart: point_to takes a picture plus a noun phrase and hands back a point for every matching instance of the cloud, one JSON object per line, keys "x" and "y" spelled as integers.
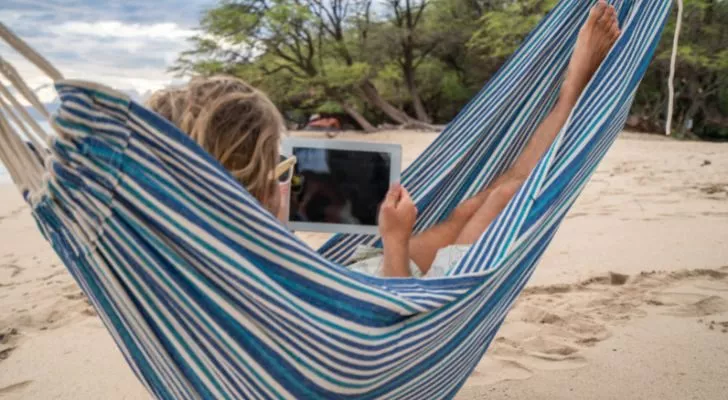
{"x": 126, "y": 45}
{"x": 183, "y": 12}
{"x": 122, "y": 30}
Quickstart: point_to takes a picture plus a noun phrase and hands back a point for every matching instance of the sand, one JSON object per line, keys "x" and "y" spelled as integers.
{"x": 629, "y": 302}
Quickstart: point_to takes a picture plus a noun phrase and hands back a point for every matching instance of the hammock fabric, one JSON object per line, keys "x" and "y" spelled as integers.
{"x": 207, "y": 296}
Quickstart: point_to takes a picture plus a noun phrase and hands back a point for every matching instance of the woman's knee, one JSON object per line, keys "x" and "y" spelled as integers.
{"x": 465, "y": 210}
{"x": 505, "y": 191}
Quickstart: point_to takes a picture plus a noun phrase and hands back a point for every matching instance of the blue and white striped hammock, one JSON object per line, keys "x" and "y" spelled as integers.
{"x": 208, "y": 296}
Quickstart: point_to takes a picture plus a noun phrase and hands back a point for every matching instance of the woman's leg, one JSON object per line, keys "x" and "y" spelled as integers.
{"x": 424, "y": 246}
{"x": 595, "y": 39}
{"x": 466, "y": 225}
{"x": 488, "y": 211}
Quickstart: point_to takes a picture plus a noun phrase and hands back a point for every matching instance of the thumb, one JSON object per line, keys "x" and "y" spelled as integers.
{"x": 404, "y": 197}
{"x": 393, "y": 194}
{"x": 390, "y": 199}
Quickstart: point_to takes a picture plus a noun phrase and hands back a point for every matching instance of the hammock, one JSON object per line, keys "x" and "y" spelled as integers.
{"x": 207, "y": 296}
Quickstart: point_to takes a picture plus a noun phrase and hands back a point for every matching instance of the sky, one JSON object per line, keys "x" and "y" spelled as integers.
{"x": 127, "y": 45}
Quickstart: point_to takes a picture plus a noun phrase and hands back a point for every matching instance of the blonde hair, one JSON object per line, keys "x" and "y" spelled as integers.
{"x": 233, "y": 121}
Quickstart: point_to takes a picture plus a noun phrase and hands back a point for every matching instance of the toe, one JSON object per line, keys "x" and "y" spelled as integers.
{"x": 614, "y": 26}
{"x": 599, "y": 9}
{"x": 615, "y": 29}
{"x": 605, "y": 17}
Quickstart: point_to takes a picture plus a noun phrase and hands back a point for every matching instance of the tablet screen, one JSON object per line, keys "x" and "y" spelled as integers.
{"x": 335, "y": 186}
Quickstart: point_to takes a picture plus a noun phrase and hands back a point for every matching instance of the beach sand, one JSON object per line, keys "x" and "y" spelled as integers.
{"x": 629, "y": 302}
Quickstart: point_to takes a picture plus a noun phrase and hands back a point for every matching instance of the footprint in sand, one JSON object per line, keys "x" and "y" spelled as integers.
{"x": 550, "y": 326}
{"x": 5, "y": 351}
{"x": 705, "y": 306}
{"x": 714, "y": 191}
{"x": 492, "y": 370}
{"x": 713, "y": 325}
{"x": 576, "y": 215}
{"x": 12, "y": 213}
{"x": 14, "y": 387}
{"x": 7, "y": 334}
{"x": 51, "y": 276}
{"x": 15, "y": 269}
{"x": 75, "y": 296}
{"x": 8, "y": 338}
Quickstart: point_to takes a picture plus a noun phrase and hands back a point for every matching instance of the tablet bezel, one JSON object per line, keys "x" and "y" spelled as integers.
{"x": 395, "y": 154}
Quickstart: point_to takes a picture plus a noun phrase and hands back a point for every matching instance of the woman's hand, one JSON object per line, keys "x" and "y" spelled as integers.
{"x": 397, "y": 215}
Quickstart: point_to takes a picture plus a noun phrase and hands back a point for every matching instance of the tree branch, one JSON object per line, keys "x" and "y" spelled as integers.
{"x": 280, "y": 68}
{"x": 420, "y": 12}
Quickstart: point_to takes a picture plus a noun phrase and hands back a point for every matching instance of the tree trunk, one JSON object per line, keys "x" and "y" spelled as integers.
{"x": 353, "y": 113}
{"x": 684, "y": 131}
{"x": 420, "y": 112}
{"x": 371, "y": 95}
{"x": 360, "y": 119}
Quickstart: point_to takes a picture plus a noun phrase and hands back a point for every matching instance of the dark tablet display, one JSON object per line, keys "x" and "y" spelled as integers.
{"x": 337, "y": 189}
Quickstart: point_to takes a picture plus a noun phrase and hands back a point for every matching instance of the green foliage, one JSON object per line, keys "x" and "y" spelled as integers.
{"x": 504, "y": 28}
{"x": 391, "y": 85}
{"x": 701, "y": 80}
{"x": 441, "y": 89}
{"x": 344, "y": 77}
{"x": 311, "y": 56}
{"x": 329, "y": 107}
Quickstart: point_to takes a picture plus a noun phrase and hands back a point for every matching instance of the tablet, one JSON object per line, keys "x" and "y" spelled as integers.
{"x": 337, "y": 186}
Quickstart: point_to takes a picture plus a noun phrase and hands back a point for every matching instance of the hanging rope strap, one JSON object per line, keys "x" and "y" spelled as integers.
{"x": 24, "y": 113}
{"x": 23, "y": 155}
{"x": 12, "y": 114}
{"x": 673, "y": 61}
{"x": 9, "y": 72}
{"x": 26, "y": 51}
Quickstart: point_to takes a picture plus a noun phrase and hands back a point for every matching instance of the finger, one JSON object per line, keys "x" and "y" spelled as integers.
{"x": 406, "y": 204}
{"x": 405, "y": 196}
{"x": 393, "y": 194}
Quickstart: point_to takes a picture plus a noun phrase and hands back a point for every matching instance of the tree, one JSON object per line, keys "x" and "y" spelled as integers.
{"x": 413, "y": 46}
{"x": 334, "y": 17}
{"x": 471, "y": 65}
{"x": 504, "y": 25}
{"x": 396, "y": 59}
{"x": 298, "y": 40}
{"x": 280, "y": 43}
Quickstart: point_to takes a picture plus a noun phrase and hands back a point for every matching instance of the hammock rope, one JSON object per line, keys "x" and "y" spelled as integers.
{"x": 208, "y": 296}
{"x": 673, "y": 63}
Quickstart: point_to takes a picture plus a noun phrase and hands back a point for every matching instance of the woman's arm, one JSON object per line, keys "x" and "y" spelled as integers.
{"x": 396, "y": 258}
{"x": 396, "y": 218}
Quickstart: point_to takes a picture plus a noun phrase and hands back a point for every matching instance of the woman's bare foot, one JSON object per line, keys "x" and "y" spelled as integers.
{"x": 595, "y": 40}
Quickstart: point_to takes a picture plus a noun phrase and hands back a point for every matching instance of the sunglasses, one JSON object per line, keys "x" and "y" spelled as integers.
{"x": 284, "y": 170}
